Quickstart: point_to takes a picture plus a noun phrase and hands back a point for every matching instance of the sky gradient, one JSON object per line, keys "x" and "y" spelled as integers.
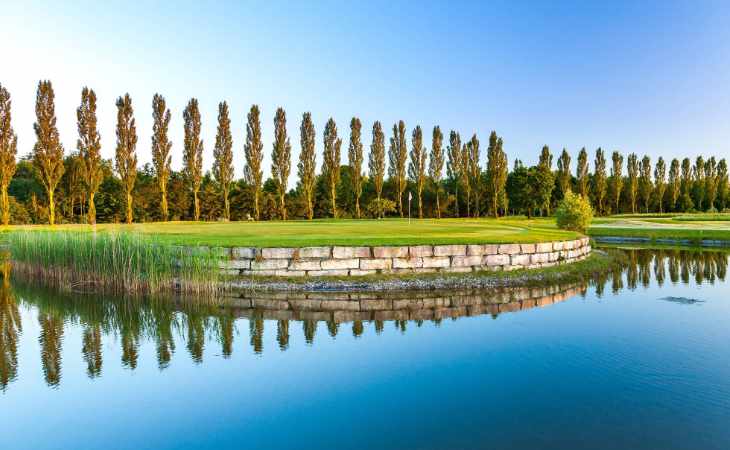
{"x": 645, "y": 77}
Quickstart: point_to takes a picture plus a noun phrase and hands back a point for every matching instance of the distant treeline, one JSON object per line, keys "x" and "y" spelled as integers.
{"x": 445, "y": 179}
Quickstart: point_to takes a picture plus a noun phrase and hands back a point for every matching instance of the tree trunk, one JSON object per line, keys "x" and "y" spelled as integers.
{"x": 380, "y": 207}
{"x": 129, "y": 207}
{"x": 310, "y": 208}
{"x": 256, "y": 204}
{"x": 282, "y": 206}
{"x": 92, "y": 209}
{"x": 420, "y": 206}
{"x": 357, "y": 206}
{"x": 163, "y": 204}
{"x": 226, "y": 205}
{"x": 5, "y": 205}
{"x": 51, "y": 209}
{"x": 196, "y": 205}
{"x": 400, "y": 202}
{"x": 333, "y": 196}
{"x": 468, "y": 204}
{"x": 438, "y": 204}
{"x": 494, "y": 207}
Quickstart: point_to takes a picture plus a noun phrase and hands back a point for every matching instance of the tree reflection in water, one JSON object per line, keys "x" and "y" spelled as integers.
{"x": 166, "y": 322}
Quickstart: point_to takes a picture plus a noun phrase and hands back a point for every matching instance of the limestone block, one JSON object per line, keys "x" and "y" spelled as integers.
{"x": 390, "y": 252}
{"x": 361, "y": 272}
{"x": 243, "y": 253}
{"x": 339, "y": 305}
{"x": 449, "y": 250}
{"x": 558, "y": 245}
{"x": 407, "y": 263}
{"x": 491, "y": 249}
{"x": 315, "y": 252}
{"x": 350, "y": 252}
{"x": 269, "y": 264}
{"x": 418, "y": 251}
{"x": 527, "y": 248}
{"x": 373, "y": 264}
{"x": 305, "y": 264}
{"x": 376, "y": 305}
{"x": 438, "y": 261}
{"x": 520, "y": 260}
{"x": 509, "y": 249}
{"x": 277, "y": 253}
{"x": 338, "y": 264}
{"x": 538, "y": 258}
{"x": 466, "y": 261}
{"x": 235, "y": 264}
{"x": 496, "y": 260}
{"x": 474, "y": 250}
{"x": 544, "y": 247}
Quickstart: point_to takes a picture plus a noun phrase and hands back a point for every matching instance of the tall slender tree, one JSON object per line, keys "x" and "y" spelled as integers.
{"x": 455, "y": 166}
{"x": 417, "y": 166}
{"x": 685, "y": 200}
{"x": 355, "y": 160}
{"x": 331, "y": 161}
{"x": 632, "y": 166}
{"x": 47, "y": 151}
{"x": 436, "y": 164}
{"x": 281, "y": 159}
{"x": 126, "y": 156}
{"x": 8, "y": 150}
{"x": 711, "y": 182}
{"x": 398, "y": 155}
{"x": 698, "y": 187}
{"x": 599, "y": 180}
{"x": 617, "y": 179}
{"x": 496, "y": 173}
{"x": 545, "y": 166}
{"x": 564, "y": 172}
{"x": 223, "y": 157}
{"x": 674, "y": 184}
{"x": 465, "y": 178}
{"x": 660, "y": 182}
{"x": 307, "y": 161}
{"x": 722, "y": 184}
{"x": 376, "y": 163}
{"x": 89, "y": 146}
{"x": 161, "y": 147}
{"x": 254, "y": 152}
{"x": 581, "y": 172}
{"x": 645, "y": 184}
{"x": 193, "y": 154}
{"x": 474, "y": 171}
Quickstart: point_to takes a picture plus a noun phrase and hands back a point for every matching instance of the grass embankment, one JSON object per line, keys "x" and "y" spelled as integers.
{"x": 337, "y": 232}
{"x": 109, "y": 262}
{"x": 685, "y": 227}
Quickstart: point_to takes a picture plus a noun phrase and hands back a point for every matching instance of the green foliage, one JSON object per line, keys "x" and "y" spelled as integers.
{"x": 193, "y": 152}
{"x": 398, "y": 155}
{"x": 380, "y": 207}
{"x": 281, "y": 159}
{"x": 574, "y": 213}
{"x": 223, "y": 158}
{"x": 376, "y": 162}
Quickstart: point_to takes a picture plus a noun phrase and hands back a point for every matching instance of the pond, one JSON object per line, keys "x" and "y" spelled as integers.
{"x": 638, "y": 358}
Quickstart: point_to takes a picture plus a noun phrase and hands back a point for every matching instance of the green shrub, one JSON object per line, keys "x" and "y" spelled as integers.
{"x": 574, "y": 213}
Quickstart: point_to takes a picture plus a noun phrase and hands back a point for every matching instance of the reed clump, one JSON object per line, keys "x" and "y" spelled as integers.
{"x": 113, "y": 262}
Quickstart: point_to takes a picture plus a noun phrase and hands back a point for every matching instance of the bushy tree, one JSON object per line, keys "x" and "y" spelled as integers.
{"x": 223, "y": 157}
{"x": 126, "y": 156}
{"x": 281, "y": 159}
{"x": 398, "y": 154}
{"x": 307, "y": 161}
{"x": 574, "y": 213}
{"x": 161, "y": 147}
{"x": 8, "y": 150}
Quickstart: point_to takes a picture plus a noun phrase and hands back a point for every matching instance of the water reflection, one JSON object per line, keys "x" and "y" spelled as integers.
{"x": 207, "y": 327}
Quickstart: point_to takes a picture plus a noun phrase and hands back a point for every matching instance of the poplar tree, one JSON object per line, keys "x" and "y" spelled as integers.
{"x": 465, "y": 178}
{"x": 193, "y": 152}
{"x": 89, "y": 146}
{"x": 564, "y": 172}
{"x": 8, "y": 150}
{"x": 281, "y": 159}
{"x": 161, "y": 147}
{"x": 223, "y": 157}
{"x": 698, "y": 189}
{"x": 617, "y": 179}
{"x": 711, "y": 182}
{"x": 645, "y": 181}
{"x": 474, "y": 171}
{"x": 545, "y": 166}
{"x": 398, "y": 154}
{"x": 253, "y": 149}
{"x": 454, "y": 166}
{"x": 126, "y": 156}
{"x": 660, "y": 185}
{"x": 417, "y": 166}
{"x": 47, "y": 151}
{"x": 307, "y": 161}
{"x": 685, "y": 201}
{"x": 581, "y": 172}
{"x": 599, "y": 179}
{"x": 436, "y": 164}
{"x": 722, "y": 184}
{"x": 632, "y": 166}
{"x": 674, "y": 184}
{"x": 376, "y": 163}
{"x": 331, "y": 161}
{"x": 355, "y": 160}
{"x": 496, "y": 173}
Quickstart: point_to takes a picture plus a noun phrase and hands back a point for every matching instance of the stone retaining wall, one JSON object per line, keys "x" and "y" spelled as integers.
{"x": 338, "y": 261}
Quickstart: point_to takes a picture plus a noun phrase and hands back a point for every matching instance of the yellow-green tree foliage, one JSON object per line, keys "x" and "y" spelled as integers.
{"x": 307, "y": 161}
{"x": 417, "y": 166}
{"x": 89, "y": 146}
{"x": 253, "y": 150}
{"x": 581, "y": 172}
{"x": 331, "y": 161}
{"x": 376, "y": 163}
{"x": 161, "y": 147}
{"x": 474, "y": 171}
{"x": 126, "y": 156}
{"x": 47, "y": 151}
{"x": 436, "y": 164}
{"x": 223, "y": 157}
{"x": 398, "y": 155}
{"x": 281, "y": 159}
{"x": 496, "y": 174}
{"x": 455, "y": 166}
{"x": 574, "y": 213}
{"x": 8, "y": 150}
{"x": 193, "y": 152}
{"x": 355, "y": 160}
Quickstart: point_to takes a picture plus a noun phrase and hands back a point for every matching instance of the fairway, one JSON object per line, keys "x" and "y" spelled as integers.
{"x": 679, "y": 226}
{"x": 340, "y": 232}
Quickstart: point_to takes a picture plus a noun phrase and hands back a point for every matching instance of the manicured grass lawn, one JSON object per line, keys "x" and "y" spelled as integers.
{"x": 694, "y": 227}
{"x": 341, "y": 232}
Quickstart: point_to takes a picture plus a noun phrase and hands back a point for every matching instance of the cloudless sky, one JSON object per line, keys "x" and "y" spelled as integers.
{"x": 644, "y": 77}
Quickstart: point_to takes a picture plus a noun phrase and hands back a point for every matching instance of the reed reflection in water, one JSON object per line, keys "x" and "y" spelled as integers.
{"x": 207, "y": 327}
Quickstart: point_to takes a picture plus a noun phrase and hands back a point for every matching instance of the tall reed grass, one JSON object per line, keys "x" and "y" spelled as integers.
{"x": 113, "y": 262}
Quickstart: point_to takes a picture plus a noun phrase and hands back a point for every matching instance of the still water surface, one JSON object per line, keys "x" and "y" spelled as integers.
{"x": 640, "y": 358}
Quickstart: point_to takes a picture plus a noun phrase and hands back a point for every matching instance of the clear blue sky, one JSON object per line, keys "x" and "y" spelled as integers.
{"x": 645, "y": 77}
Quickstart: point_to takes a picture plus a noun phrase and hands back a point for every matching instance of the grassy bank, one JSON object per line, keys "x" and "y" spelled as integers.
{"x": 337, "y": 232}
{"x": 111, "y": 262}
{"x": 693, "y": 228}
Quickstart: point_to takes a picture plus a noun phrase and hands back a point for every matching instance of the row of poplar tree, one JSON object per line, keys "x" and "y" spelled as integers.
{"x": 446, "y": 179}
